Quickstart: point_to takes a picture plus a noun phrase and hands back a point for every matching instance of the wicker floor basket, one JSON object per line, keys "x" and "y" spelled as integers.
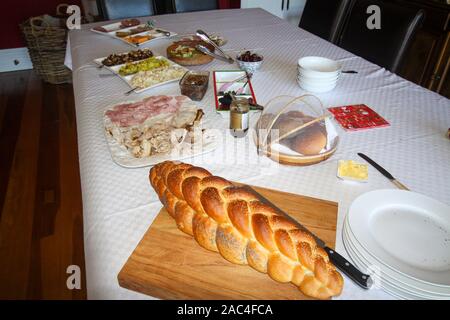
{"x": 45, "y": 37}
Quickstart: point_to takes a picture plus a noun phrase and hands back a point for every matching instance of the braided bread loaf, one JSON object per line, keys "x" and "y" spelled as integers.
{"x": 232, "y": 221}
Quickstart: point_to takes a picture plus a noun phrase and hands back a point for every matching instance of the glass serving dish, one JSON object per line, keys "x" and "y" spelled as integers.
{"x": 194, "y": 84}
{"x": 296, "y": 131}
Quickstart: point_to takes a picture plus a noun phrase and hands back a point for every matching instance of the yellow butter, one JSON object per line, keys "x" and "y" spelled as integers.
{"x": 351, "y": 170}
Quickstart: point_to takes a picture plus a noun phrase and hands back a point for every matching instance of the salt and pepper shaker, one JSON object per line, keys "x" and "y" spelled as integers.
{"x": 239, "y": 117}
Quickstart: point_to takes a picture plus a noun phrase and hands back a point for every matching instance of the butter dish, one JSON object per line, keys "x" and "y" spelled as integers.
{"x": 353, "y": 171}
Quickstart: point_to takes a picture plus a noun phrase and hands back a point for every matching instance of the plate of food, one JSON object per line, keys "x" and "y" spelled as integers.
{"x": 228, "y": 83}
{"x": 148, "y": 73}
{"x": 137, "y": 38}
{"x": 116, "y": 59}
{"x": 184, "y": 53}
{"x": 157, "y": 128}
{"x": 133, "y": 32}
{"x": 116, "y": 26}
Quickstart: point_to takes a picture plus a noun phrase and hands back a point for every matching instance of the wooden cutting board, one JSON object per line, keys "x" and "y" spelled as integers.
{"x": 169, "y": 264}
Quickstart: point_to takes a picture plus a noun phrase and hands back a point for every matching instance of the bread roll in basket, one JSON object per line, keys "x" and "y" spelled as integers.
{"x": 296, "y": 131}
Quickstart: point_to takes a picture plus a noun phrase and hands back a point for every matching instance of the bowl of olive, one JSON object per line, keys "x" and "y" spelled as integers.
{"x": 250, "y": 62}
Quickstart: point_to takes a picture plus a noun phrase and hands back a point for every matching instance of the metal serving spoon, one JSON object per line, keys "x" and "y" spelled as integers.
{"x": 205, "y": 50}
{"x": 202, "y": 34}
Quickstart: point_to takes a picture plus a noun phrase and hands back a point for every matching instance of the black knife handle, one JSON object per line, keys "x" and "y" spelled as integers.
{"x": 382, "y": 170}
{"x": 363, "y": 280}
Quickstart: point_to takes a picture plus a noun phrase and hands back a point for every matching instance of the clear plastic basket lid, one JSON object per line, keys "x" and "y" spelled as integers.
{"x": 296, "y": 126}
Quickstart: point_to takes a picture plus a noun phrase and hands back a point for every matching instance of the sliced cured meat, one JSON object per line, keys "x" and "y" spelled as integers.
{"x": 131, "y": 114}
{"x": 148, "y": 127}
{"x": 129, "y": 23}
{"x": 101, "y": 29}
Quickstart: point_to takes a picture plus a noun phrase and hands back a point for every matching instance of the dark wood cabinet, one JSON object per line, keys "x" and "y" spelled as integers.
{"x": 427, "y": 61}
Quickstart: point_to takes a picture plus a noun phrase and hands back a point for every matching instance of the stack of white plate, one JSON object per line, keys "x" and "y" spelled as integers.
{"x": 317, "y": 74}
{"x": 402, "y": 239}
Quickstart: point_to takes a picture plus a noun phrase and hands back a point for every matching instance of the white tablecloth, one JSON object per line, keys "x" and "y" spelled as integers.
{"x": 118, "y": 203}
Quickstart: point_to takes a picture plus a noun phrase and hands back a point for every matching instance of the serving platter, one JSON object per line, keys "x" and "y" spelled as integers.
{"x": 128, "y": 78}
{"x": 113, "y": 28}
{"x": 224, "y": 81}
{"x": 123, "y": 157}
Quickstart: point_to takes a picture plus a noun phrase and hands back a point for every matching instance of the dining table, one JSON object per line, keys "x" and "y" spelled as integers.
{"x": 119, "y": 204}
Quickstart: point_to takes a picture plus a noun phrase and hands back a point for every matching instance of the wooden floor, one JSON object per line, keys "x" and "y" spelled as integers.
{"x": 41, "y": 222}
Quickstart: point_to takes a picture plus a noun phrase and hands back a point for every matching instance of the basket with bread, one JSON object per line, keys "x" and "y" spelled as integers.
{"x": 296, "y": 131}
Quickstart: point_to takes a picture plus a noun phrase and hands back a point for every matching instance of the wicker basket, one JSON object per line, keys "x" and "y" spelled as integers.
{"x": 45, "y": 37}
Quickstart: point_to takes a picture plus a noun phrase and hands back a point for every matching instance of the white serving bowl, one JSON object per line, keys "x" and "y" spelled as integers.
{"x": 249, "y": 67}
{"x": 314, "y": 74}
{"x": 319, "y": 67}
{"x": 317, "y": 88}
{"x": 308, "y": 73}
{"x": 314, "y": 80}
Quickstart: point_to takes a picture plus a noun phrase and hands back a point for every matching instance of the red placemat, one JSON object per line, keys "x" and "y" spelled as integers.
{"x": 358, "y": 117}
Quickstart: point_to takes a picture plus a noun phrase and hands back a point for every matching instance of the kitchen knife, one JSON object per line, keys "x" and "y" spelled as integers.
{"x": 363, "y": 280}
{"x": 384, "y": 172}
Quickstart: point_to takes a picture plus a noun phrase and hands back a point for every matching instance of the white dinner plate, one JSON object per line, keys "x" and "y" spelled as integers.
{"x": 388, "y": 277}
{"x": 394, "y": 290}
{"x": 365, "y": 268}
{"x": 390, "y": 285}
{"x": 405, "y": 230}
{"x": 391, "y": 274}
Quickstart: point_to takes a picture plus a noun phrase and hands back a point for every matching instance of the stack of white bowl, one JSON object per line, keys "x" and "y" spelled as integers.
{"x": 402, "y": 239}
{"x": 318, "y": 74}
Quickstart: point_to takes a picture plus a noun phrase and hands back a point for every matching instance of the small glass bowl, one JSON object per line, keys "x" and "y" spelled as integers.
{"x": 194, "y": 84}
